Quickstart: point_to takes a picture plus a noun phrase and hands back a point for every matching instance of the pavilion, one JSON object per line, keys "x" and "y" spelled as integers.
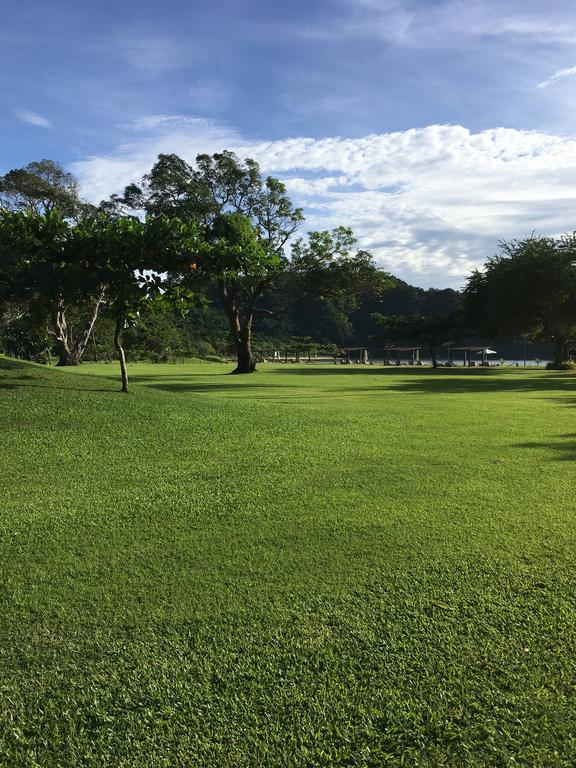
{"x": 411, "y": 354}
{"x": 362, "y": 353}
{"x": 468, "y": 352}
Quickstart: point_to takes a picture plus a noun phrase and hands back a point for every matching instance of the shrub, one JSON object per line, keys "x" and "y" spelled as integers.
{"x": 567, "y": 365}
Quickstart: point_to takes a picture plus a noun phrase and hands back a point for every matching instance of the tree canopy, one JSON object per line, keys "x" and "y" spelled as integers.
{"x": 41, "y": 187}
{"x": 247, "y": 222}
{"x": 529, "y": 287}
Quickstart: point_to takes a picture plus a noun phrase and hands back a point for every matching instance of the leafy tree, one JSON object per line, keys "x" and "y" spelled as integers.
{"x": 328, "y": 265}
{"x": 135, "y": 257}
{"x": 52, "y": 264}
{"x": 246, "y": 221}
{"x": 41, "y": 187}
{"x": 529, "y": 287}
{"x": 46, "y": 267}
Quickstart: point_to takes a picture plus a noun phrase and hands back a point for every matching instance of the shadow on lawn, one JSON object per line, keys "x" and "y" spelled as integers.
{"x": 369, "y": 380}
{"x": 449, "y": 380}
{"x": 41, "y": 384}
{"x": 565, "y": 448}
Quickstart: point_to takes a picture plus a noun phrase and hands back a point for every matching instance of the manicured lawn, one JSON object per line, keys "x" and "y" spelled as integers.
{"x": 310, "y": 566}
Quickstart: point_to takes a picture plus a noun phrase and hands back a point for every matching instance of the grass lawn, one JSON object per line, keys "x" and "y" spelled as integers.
{"x": 310, "y": 566}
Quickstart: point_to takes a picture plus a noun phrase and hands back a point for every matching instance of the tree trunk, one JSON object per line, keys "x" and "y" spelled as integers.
{"x": 240, "y": 331}
{"x": 246, "y": 362}
{"x": 70, "y": 352}
{"x": 82, "y": 343}
{"x": 560, "y": 351}
{"x": 120, "y": 350}
{"x": 62, "y": 338}
{"x": 433, "y": 356}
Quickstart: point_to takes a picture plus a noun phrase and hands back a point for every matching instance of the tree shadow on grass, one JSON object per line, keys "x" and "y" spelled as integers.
{"x": 565, "y": 448}
{"x": 200, "y": 387}
{"x": 447, "y": 380}
{"x": 13, "y": 385}
{"x": 364, "y": 382}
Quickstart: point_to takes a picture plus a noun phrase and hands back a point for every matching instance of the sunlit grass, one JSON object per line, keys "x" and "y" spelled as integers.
{"x": 309, "y": 566}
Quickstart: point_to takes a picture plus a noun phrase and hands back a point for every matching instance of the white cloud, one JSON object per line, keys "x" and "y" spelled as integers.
{"x": 450, "y": 22}
{"x": 559, "y": 75}
{"x": 32, "y": 118}
{"x": 430, "y": 203}
{"x": 171, "y": 122}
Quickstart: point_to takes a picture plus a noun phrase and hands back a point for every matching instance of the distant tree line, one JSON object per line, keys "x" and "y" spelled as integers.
{"x": 205, "y": 260}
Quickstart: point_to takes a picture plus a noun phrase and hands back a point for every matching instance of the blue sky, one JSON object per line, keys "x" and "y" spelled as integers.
{"x": 432, "y": 128}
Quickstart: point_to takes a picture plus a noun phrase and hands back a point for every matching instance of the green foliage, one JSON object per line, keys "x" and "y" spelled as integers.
{"x": 528, "y": 288}
{"x": 565, "y": 365}
{"x": 234, "y": 250}
{"x": 326, "y": 567}
{"x": 327, "y": 265}
{"x": 41, "y": 187}
{"x": 23, "y": 338}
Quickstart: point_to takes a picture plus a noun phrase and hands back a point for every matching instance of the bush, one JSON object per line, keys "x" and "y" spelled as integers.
{"x": 22, "y": 338}
{"x": 567, "y": 365}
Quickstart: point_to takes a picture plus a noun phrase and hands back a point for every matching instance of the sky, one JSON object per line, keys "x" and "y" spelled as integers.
{"x": 434, "y": 128}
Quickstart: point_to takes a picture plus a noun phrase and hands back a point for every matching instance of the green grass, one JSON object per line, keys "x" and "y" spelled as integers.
{"x": 311, "y": 566}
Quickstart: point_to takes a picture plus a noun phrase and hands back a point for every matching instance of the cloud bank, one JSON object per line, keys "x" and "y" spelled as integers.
{"x": 430, "y": 203}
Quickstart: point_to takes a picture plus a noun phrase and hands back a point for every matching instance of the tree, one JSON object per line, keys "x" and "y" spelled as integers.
{"x": 246, "y": 221}
{"x": 51, "y": 265}
{"x": 327, "y": 265}
{"x": 41, "y": 187}
{"x": 46, "y": 267}
{"x": 529, "y": 287}
{"x": 136, "y": 257}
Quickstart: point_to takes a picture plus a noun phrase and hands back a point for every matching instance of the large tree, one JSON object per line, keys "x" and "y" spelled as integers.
{"x": 529, "y": 287}
{"x": 41, "y": 187}
{"x": 246, "y": 220}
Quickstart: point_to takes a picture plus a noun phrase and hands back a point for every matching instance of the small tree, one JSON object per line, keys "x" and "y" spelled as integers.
{"x": 137, "y": 256}
{"x": 327, "y": 265}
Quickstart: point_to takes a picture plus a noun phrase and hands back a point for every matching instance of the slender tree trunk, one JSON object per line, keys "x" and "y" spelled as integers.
{"x": 120, "y": 350}
{"x": 82, "y": 343}
{"x": 61, "y": 337}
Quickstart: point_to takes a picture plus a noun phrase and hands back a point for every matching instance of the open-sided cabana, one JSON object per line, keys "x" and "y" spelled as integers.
{"x": 471, "y": 355}
{"x": 356, "y": 355}
{"x": 395, "y": 355}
